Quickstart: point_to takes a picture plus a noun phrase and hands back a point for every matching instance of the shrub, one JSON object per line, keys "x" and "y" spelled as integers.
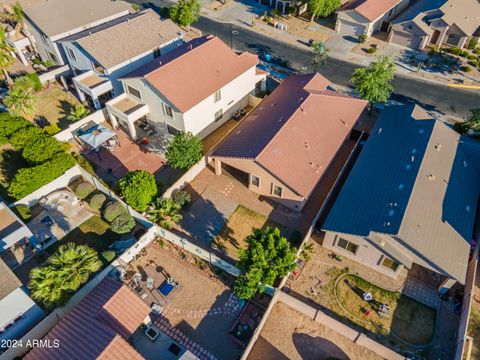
{"x": 24, "y": 212}
{"x": 114, "y": 210}
{"x": 471, "y": 57}
{"x": 181, "y": 198}
{"x": 27, "y": 180}
{"x": 472, "y": 43}
{"x": 362, "y": 38}
{"x": 138, "y": 188}
{"x": 476, "y": 51}
{"x": 9, "y": 125}
{"x": 52, "y": 129}
{"x": 372, "y": 50}
{"x": 97, "y": 201}
{"x": 474, "y": 63}
{"x": 464, "y": 53}
{"x": 41, "y": 148}
{"x": 22, "y": 136}
{"x": 84, "y": 189}
{"x": 108, "y": 256}
{"x": 454, "y": 51}
{"x": 466, "y": 68}
{"x": 123, "y": 224}
{"x": 84, "y": 163}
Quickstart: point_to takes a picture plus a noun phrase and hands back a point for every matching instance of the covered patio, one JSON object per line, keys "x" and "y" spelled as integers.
{"x": 92, "y": 88}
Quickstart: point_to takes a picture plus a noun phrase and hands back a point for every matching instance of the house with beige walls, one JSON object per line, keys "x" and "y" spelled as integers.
{"x": 410, "y": 200}
{"x": 289, "y": 141}
{"x": 437, "y": 22}
{"x": 366, "y": 17}
{"x": 194, "y": 88}
{"x": 101, "y": 55}
{"x": 52, "y": 20}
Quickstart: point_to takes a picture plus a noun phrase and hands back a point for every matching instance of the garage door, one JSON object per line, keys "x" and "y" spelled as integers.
{"x": 350, "y": 28}
{"x": 405, "y": 39}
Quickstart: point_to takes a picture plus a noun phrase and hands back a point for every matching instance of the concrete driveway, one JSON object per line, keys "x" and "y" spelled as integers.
{"x": 207, "y": 215}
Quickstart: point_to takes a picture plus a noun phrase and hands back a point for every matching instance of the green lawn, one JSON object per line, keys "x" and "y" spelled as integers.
{"x": 409, "y": 319}
{"x": 54, "y": 104}
{"x": 94, "y": 232}
{"x": 474, "y": 332}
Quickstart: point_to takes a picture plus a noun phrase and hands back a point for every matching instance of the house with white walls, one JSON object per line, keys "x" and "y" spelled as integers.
{"x": 194, "y": 88}
{"x": 12, "y": 230}
{"x": 100, "y": 55}
{"x": 18, "y": 312}
{"x": 52, "y": 20}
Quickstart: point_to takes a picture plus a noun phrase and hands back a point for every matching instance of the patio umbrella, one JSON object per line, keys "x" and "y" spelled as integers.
{"x": 97, "y": 135}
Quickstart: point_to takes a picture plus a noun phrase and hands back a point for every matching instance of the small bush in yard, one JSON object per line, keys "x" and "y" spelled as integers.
{"x": 114, "y": 210}
{"x": 181, "y": 198}
{"x": 108, "y": 256}
{"x": 362, "y": 38}
{"x": 184, "y": 151}
{"x": 372, "y": 50}
{"x": 472, "y": 43}
{"x": 9, "y": 125}
{"x": 24, "y": 212}
{"x": 52, "y": 129}
{"x": 97, "y": 201}
{"x": 466, "y": 69}
{"x": 84, "y": 189}
{"x": 123, "y": 224}
{"x": 464, "y": 53}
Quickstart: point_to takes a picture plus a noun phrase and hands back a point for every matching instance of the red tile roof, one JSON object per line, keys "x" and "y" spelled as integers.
{"x": 296, "y": 131}
{"x": 371, "y": 9}
{"x": 194, "y": 71}
{"x": 98, "y": 327}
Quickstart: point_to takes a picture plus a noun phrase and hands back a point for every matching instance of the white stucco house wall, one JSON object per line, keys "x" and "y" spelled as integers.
{"x": 53, "y": 20}
{"x": 366, "y": 17}
{"x": 100, "y": 55}
{"x": 18, "y": 311}
{"x": 195, "y": 88}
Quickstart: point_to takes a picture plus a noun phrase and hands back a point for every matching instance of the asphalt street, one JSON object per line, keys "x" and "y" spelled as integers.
{"x": 432, "y": 96}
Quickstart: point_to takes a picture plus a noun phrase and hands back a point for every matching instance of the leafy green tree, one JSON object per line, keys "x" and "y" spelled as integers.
{"x": 322, "y": 8}
{"x": 185, "y": 12}
{"x": 41, "y": 148}
{"x": 138, "y": 188}
{"x": 78, "y": 112}
{"x": 6, "y": 57}
{"x": 165, "y": 212}
{"x": 20, "y": 99}
{"x": 374, "y": 82}
{"x": 268, "y": 256}
{"x": 320, "y": 55}
{"x": 471, "y": 123}
{"x": 64, "y": 273}
{"x": 184, "y": 151}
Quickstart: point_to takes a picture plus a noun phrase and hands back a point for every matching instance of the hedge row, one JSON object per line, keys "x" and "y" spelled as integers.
{"x": 27, "y": 180}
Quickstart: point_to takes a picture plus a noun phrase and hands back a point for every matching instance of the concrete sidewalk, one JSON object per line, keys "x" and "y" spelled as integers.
{"x": 243, "y": 13}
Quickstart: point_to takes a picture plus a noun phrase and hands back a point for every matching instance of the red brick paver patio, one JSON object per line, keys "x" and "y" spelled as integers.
{"x": 127, "y": 157}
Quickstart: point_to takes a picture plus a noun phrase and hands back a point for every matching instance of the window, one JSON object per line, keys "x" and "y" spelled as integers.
{"x": 168, "y": 110}
{"x": 71, "y": 54}
{"x": 218, "y": 115}
{"x": 347, "y": 245}
{"x": 255, "y": 181}
{"x": 172, "y": 130}
{"x": 44, "y": 38}
{"x": 52, "y": 57}
{"x": 217, "y": 96}
{"x": 156, "y": 53}
{"x": 277, "y": 190}
{"x": 175, "y": 349}
{"x": 390, "y": 263}
{"x": 134, "y": 92}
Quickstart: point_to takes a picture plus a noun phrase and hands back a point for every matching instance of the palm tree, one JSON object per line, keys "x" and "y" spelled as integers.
{"x": 78, "y": 112}
{"x": 6, "y": 57}
{"x": 307, "y": 252}
{"x": 21, "y": 101}
{"x": 65, "y": 271}
{"x": 164, "y": 212}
